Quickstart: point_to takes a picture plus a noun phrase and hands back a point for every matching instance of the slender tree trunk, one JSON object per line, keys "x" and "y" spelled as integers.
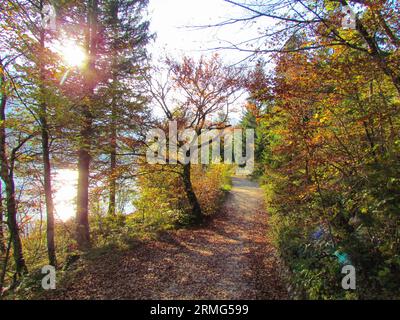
{"x": 196, "y": 213}
{"x": 113, "y": 141}
{"x": 113, "y": 165}
{"x": 376, "y": 53}
{"x": 82, "y": 218}
{"x": 7, "y": 175}
{"x": 48, "y": 192}
{"x": 48, "y": 195}
{"x": 13, "y": 228}
{"x": 380, "y": 58}
{"x": 4, "y": 266}
{"x": 2, "y": 243}
{"x": 2, "y": 105}
{"x": 84, "y": 158}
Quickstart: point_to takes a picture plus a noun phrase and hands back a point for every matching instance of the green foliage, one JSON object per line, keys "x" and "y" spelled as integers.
{"x": 332, "y": 163}
{"x": 163, "y": 203}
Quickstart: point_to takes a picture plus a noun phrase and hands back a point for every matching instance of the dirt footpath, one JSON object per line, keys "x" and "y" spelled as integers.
{"x": 229, "y": 258}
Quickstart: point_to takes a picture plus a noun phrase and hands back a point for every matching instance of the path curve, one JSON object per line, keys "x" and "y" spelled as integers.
{"x": 230, "y": 258}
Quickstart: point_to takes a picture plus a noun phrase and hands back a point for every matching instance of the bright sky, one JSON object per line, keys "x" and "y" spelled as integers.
{"x": 170, "y": 20}
{"x": 173, "y": 22}
{"x": 65, "y": 195}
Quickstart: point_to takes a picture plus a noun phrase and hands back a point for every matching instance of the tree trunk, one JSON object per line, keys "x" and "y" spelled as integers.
{"x": 82, "y": 217}
{"x": 375, "y": 52}
{"x": 113, "y": 140}
{"x": 196, "y": 213}
{"x": 84, "y": 158}
{"x": 379, "y": 56}
{"x": 2, "y": 105}
{"x": 2, "y": 243}
{"x": 113, "y": 167}
{"x": 8, "y": 178}
{"x": 48, "y": 192}
{"x": 13, "y": 228}
{"x": 4, "y": 265}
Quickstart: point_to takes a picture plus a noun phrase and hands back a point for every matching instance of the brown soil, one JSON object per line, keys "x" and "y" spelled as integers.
{"x": 230, "y": 257}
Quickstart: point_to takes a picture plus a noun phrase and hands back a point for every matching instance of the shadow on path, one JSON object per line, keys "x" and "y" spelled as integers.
{"x": 230, "y": 258}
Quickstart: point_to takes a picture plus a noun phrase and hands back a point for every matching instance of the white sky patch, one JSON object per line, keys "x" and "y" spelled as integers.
{"x": 173, "y": 22}
{"x": 65, "y": 184}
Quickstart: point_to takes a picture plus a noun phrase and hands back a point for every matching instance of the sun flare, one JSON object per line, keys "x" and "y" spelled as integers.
{"x": 73, "y": 54}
